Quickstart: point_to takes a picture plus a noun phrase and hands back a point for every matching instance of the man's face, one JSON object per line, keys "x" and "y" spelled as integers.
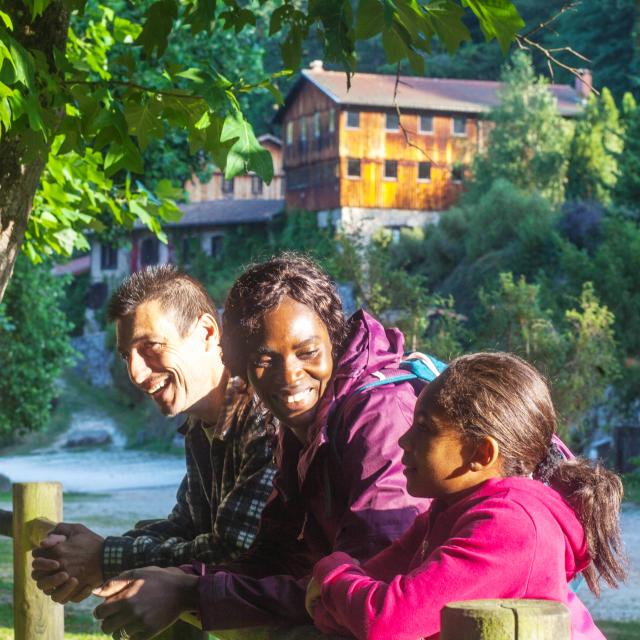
{"x": 174, "y": 370}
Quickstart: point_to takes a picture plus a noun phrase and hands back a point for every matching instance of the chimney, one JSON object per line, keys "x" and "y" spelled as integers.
{"x": 584, "y": 83}
{"x": 316, "y": 65}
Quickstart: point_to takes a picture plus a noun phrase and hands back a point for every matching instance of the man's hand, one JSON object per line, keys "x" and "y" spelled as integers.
{"x": 312, "y": 596}
{"x": 141, "y": 603}
{"x": 68, "y": 563}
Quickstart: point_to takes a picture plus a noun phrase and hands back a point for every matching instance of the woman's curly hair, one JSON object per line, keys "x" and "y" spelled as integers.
{"x": 261, "y": 288}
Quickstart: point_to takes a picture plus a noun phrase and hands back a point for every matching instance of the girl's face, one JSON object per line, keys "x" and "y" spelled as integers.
{"x": 290, "y": 363}
{"x": 435, "y": 457}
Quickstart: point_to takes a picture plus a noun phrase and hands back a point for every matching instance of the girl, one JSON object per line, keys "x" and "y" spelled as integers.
{"x": 479, "y": 433}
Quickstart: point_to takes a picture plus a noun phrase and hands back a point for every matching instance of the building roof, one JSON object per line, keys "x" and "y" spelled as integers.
{"x": 415, "y": 92}
{"x": 75, "y": 267}
{"x": 223, "y": 212}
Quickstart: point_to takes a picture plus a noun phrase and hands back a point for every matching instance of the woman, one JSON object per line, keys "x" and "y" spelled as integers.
{"x": 339, "y": 484}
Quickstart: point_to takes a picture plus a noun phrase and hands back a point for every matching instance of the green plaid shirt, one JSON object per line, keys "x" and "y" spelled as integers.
{"x": 229, "y": 477}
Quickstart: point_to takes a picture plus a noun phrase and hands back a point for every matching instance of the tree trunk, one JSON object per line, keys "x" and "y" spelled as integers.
{"x": 19, "y": 179}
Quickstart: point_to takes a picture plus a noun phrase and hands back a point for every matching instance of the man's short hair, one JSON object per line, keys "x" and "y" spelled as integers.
{"x": 178, "y": 293}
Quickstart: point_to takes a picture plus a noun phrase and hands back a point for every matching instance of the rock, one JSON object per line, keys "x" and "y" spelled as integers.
{"x": 5, "y": 483}
{"x": 88, "y": 438}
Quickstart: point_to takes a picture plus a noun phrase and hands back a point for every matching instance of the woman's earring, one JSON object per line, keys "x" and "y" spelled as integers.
{"x": 474, "y": 466}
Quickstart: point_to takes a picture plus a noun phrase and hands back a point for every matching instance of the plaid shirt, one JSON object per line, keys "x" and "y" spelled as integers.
{"x": 229, "y": 477}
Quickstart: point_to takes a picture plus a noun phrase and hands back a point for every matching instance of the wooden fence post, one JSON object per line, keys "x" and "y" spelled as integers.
{"x": 36, "y": 507}
{"x": 505, "y": 620}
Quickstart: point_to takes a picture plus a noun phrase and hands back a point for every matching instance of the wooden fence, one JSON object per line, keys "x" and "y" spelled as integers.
{"x": 37, "y": 506}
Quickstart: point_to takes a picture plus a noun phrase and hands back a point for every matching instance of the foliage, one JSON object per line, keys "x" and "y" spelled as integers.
{"x": 614, "y": 58}
{"x": 581, "y": 223}
{"x": 578, "y": 356}
{"x": 627, "y": 191}
{"x": 34, "y": 349}
{"x": 505, "y": 228}
{"x": 595, "y": 147}
{"x": 429, "y": 322}
{"x": 528, "y": 144}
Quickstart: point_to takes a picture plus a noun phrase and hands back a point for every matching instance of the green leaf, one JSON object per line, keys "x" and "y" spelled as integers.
{"x": 394, "y": 47}
{"x": 246, "y": 154}
{"x": 159, "y": 21}
{"x": 7, "y": 20}
{"x": 201, "y": 15}
{"x": 38, "y": 7}
{"x": 125, "y": 30}
{"x": 291, "y": 48}
{"x": 446, "y": 19}
{"x": 22, "y": 63}
{"x": 498, "y": 19}
{"x": 143, "y": 120}
{"x": 369, "y": 19}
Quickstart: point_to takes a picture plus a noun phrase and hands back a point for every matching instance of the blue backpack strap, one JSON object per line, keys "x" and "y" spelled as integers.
{"x": 414, "y": 366}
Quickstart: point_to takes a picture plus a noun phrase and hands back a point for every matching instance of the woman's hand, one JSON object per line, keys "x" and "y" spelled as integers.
{"x": 312, "y": 596}
{"x": 141, "y": 603}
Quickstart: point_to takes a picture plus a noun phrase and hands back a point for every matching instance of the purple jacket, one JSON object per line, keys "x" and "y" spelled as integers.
{"x": 511, "y": 538}
{"x": 342, "y": 491}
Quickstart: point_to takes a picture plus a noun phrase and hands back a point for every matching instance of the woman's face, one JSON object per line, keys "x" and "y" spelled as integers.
{"x": 290, "y": 363}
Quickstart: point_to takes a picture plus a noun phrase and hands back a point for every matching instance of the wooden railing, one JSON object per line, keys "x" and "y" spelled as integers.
{"x": 37, "y": 506}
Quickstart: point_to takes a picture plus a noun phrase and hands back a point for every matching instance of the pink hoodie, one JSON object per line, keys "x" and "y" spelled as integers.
{"x": 511, "y": 538}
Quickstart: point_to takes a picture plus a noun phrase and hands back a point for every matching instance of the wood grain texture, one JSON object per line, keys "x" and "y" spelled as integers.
{"x": 36, "y": 506}
{"x": 505, "y": 620}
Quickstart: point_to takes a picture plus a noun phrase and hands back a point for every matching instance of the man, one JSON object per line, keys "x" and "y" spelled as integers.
{"x": 169, "y": 336}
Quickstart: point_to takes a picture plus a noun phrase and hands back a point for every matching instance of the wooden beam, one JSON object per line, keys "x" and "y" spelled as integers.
{"x": 36, "y": 506}
{"x": 505, "y": 620}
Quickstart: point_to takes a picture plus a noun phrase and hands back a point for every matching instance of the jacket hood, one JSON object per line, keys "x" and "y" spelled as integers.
{"x": 550, "y": 506}
{"x": 370, "y": 348}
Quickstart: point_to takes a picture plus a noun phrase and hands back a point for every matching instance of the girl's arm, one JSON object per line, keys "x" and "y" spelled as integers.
{"x": 488, "y": 555}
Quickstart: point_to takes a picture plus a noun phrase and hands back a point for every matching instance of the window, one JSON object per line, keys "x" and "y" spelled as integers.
{"x": 256, "y": 185}
{"x": 149, "y": 252}
{"x": 424, "y": 171}
{"x": 426, "y": 124}
{"x": 289, "y": 133}
{"x": 391, "y": 169}
{"x": 459, "y": 126}
{"x": 108, "y": 257}
{"x": 332, "y": 120}
{"x": 457, "y": 172}
{"x": 392, "y": 122}
{"x": 303, "y": 135}
{"x": 353, "y": 168}
{"x": 227, "y": 186}
{"x": 216, "y": 246}
{"x": 353, "y": 119}
{"x": 316, "y": 125}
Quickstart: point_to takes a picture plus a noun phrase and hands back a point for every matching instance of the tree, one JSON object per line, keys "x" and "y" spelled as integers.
{"x": 595, "y": 147}
{"x": 65, "y": 98}
{"x": 578, "y": 356}
{"x": 34, "y": 348}
{"x": 627, "y": 191}
{"x": 529, "y": 142}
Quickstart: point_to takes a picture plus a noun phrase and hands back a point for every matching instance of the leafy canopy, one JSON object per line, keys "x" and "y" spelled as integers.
{"x": 92, "y": 104}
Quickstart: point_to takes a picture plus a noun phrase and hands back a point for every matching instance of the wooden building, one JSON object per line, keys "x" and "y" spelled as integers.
{"x": 246, "y": 187}
{"x": 347, "y": 156}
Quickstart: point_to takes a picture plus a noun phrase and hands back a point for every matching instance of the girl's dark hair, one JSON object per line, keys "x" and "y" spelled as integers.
{"x": 176, "y": 292}
{"x": 261, "y": 288}
{"x": 502, "y": 396}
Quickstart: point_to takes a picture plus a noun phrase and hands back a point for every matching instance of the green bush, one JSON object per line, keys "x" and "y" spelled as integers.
{"x": 34, "y": 348}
